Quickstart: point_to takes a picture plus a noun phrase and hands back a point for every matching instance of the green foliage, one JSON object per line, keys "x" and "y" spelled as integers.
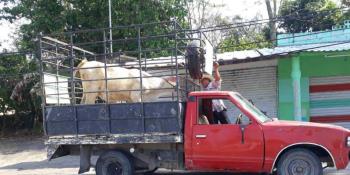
{"x": 57, "y": 16}
{"x": 20, "y": 113}
{"x": 11, "y": 68}
{"x": 308, "y": 15}
{"x": 245, "y": 38}
{"x": 53, "y": 16}
{"x": 236, "y": 43}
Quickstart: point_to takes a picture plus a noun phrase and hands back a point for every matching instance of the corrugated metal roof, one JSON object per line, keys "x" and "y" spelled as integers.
{"x": 265, "y": 52}
{"x": 245, "y": 55}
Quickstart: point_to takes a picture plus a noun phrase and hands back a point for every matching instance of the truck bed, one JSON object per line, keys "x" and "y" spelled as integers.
{"x": 151, "y": 122}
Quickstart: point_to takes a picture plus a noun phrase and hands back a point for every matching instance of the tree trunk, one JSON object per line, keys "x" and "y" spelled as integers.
{"x": 272, "y": 23}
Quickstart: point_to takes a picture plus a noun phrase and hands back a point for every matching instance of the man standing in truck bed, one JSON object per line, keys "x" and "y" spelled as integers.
{"x": 218, "y": 106}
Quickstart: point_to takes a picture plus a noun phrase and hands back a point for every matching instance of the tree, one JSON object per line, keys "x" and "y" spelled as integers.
{"x": 202, "y": 14}
{"x": 272, "y": 13}
{"x": 308, "y": 15}
{"x": 198, "y": 13}
{"x": 244, "y": 38}
{"x": 53, "y": 16}
{"x": 346, "y": 2}
{"x": 346, "y": 14}
{"x": 23, "y": 114}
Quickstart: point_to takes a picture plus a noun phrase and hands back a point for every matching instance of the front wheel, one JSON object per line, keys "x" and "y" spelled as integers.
{"x": 114, "y": 163}
{"x": 299, "y": 162}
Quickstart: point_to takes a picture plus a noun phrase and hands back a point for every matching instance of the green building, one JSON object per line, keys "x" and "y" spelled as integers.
{"x": 306, "y": 77}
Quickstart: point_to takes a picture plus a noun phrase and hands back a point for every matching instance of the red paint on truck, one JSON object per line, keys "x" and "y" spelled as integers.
{"x": 257, "y": 149}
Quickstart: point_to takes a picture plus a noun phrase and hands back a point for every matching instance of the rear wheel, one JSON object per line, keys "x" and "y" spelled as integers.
{"x": 299, "y": 162}
{"x": 114, "y": 163}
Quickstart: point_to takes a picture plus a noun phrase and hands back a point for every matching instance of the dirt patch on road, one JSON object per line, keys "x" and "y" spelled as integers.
{"x": 27, "y": 156}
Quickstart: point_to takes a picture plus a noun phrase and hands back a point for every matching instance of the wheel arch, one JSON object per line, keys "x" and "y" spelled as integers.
{"x": 318, "y": 149}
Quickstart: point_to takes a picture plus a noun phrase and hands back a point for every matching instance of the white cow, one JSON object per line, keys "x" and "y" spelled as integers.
{"x": 93, "y": 80}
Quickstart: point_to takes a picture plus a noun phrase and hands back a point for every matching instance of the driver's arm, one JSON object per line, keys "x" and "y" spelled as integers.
{"x": 217, "y": 75}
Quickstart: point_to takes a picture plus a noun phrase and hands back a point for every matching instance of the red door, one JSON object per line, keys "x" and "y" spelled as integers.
{"x": 220, "y": 147}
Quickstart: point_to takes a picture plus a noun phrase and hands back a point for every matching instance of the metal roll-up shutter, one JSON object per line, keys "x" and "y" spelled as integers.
{"x": 330, "y": 100}
{"x": 257, "y": 84}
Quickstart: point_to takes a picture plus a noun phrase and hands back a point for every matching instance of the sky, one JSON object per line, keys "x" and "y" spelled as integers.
{"x": 247, "y": 9}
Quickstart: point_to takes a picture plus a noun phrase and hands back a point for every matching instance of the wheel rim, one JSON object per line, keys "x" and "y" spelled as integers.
{"x": 114, "y": 168}
{"x": 299, "y": 167}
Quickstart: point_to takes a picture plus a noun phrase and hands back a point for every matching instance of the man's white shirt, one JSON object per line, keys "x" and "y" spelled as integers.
{"x": 218, "y": 105}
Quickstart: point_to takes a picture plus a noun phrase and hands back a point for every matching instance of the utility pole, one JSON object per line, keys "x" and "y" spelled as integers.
{"x": 110, "y": 27}
{"x": 272, "y": 12}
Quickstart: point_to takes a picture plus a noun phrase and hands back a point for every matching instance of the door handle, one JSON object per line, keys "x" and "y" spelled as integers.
{"x": 201, "y": 136}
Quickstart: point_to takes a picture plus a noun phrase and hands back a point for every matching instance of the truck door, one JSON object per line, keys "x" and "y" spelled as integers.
{"x": 217, "y": 146}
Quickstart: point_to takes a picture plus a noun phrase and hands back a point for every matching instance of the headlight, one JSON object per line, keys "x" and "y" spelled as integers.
{"x": 348, "y": 141}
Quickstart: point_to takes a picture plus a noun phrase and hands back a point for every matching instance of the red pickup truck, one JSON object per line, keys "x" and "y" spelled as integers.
{"x": 251, "y": 142}
{"x": 138, "y": 136}
{"x": 261, "y": 144}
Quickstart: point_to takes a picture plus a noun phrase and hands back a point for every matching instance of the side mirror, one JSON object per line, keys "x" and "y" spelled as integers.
{"x": 251, "y": 101}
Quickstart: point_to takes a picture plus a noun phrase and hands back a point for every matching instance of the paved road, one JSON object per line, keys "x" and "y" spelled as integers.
{"x": 28, "y": 157}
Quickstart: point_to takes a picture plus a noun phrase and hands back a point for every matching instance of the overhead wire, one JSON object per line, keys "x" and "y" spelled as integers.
{"x": 225, "y": 27}
{"x": 256, "y": 22}
{"x": 277, "y": 39}
{"x": 285, "y": 38}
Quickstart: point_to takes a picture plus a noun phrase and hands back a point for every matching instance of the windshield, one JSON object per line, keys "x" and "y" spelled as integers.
{"x": 250, "y": 107}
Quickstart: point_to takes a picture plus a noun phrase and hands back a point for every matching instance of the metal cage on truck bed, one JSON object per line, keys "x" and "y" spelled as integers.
{"x": 156, "y": 48}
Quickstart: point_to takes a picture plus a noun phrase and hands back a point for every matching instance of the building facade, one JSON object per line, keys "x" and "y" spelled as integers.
{"x": 323, "y": 80}
{"x": 306, "y": 77}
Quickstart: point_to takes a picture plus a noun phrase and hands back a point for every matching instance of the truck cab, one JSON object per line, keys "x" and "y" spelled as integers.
{"x": 253, "y": 142}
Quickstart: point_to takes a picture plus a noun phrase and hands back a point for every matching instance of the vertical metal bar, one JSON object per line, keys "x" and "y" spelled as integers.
{"x": 72, "y": 68}
{"x": 176, "y": 62}
{"x": 172, "y": 59}
{"x": 57, "y": 83}
{"x": 106, "y": 79}
{"x": 145, "y": 61}
{"x": 110, "y": 26}
{"x": 106, "y": 82}
{"x": 172, "y": 70}
{"x": 71, "y": 53}
{"x": 179, "y": 108}
{"x": 186, "y": 71}
{"x": 43, "y": 97}
{"x": 201, "y": 49}
{"x": 119, "y": 54}
{"x": 104, "y": 44}
{"x": 141, "y": 82}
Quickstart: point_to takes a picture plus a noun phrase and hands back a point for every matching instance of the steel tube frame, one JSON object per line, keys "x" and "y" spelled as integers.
{"x": 58, "y": 53}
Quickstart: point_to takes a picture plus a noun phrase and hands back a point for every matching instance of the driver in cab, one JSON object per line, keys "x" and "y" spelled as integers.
{"x": 218, "y": 106}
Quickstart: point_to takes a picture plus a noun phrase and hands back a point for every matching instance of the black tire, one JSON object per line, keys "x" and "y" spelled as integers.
{"x": 299, "y": 162}
{"x": 114, "y": 163}
{"x": 195, "y": 60}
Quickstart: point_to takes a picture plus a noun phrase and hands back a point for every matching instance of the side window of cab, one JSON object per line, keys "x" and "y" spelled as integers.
{"x": 219, "y": 111}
